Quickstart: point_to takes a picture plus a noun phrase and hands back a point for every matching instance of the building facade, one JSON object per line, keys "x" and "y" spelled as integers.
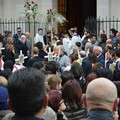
{"x": 13, "y": 8}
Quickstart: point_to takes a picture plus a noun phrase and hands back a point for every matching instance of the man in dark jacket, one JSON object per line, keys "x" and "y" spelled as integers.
{"x": 116, "y": 73}
{"x": 35, "y": 57}
{"x": 86, "y": 64}
{"x": 42, "y": 53}
{"x": 101, "y": 99}
{"x": 100, "y": 57}
{"x": 16, "y": 37}
{"x": 21, "y": 45}
{"x": 27, "y": 94}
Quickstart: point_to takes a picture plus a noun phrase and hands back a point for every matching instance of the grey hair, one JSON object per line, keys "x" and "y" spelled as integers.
{"x": 98, "y": 48}
{"x": 9, "y": 38}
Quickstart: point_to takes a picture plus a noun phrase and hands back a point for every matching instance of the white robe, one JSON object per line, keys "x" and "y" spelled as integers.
{"x": 39, "y": 38}
{"x": 72, "y": 43}
{"x": 65, "y": 45}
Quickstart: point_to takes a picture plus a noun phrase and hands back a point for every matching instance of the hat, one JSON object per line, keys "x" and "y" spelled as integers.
{"x": 3, "y": 98}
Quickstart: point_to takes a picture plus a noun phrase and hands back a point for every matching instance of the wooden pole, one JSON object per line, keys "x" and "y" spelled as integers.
{"x": 32, "y": 35}
{"x": 51, "y": 25}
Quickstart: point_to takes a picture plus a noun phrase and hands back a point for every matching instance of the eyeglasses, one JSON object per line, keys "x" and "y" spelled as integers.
{"x": 19, "y": 31}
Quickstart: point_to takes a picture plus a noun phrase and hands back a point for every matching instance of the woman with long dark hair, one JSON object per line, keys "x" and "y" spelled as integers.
{"x": 72, "y": 95}
{"x": 78, "y": 73}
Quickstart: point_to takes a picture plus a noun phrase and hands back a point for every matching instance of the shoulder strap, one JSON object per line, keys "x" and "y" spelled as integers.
{"x": 16, "y": 68}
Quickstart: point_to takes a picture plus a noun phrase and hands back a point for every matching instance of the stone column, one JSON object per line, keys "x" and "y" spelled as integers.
{"x": 8, "y": 9}
{"x": 19, "y": 7}
{"x": 115, "y": 8}
{"x": 1, "y": 8}
{"x": 103, "y": 11}
{"x": 103, "y": 8}
{"x": 48, "y": 4}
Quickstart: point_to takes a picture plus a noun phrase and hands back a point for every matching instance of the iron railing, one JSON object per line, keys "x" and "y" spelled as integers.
{"x": 94, "y": 25}
{"x": 11, "y": 25}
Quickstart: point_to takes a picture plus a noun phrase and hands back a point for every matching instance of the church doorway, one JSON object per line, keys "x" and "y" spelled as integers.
{"x": 76, "y": 11}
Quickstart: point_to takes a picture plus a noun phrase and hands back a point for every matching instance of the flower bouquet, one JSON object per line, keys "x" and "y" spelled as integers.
{"x": 53, "y": 16}
{"x": 32, "y": 13}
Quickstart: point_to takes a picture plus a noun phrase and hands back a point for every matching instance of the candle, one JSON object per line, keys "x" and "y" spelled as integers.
{"x": 49, "y": 50}
{"x": 20, "y": 52}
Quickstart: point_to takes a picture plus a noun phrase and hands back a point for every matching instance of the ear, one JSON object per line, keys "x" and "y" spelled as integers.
{"x": 10, "y": 105}
{"x": 115, "y": 105}
{"x": 45, "y": 103}
{"x": 84, "y": 100}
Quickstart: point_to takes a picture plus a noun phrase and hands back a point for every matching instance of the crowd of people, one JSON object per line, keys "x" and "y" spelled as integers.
{"x": 80, "y": 81}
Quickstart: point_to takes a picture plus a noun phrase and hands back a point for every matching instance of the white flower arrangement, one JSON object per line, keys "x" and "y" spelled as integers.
{"x": 53, "y": 16}
{"x": 32, "y": 13}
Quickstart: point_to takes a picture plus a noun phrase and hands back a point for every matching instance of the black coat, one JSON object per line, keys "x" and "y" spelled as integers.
{"x": 9, "y": 55}
{"x": 26, "y": 118}
{"x": 116, "y": 73}
{"x": 102, "y": 45}
{"x": 47, "y": 39}
{"x": 22, "y": 46}
{"x": 33, "y": 60}
{"x": 101, "y": 60}
{"x": 42, "y": 54}
{"x": 87, "y": 66}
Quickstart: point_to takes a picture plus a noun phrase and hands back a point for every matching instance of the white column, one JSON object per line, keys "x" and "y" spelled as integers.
{"x": 48, "y": 4}
{"x": 115, "y": 8}
{"x": 44, "y": 5}
{"x": 54, "y": 6}
{"x": 103, "y": 8}
{"x": 8, "y": 9}
{"x": 1, "y": 8}
{"x": 19, "y": 7}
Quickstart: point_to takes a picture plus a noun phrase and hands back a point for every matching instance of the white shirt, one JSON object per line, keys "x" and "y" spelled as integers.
{"x": 73, "y": 41}
{"x": 17, "y": 67}
{"x": 39, "y": 38}
{"x": 65, "y": 45}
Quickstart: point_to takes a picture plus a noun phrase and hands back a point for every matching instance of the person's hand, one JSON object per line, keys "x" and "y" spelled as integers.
{"x": 116, "y": 115}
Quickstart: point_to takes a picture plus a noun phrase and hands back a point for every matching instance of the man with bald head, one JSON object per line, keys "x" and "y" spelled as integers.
{"x": 97, "y": 50}
{"x": 101, "y": 99}
{"x": 21, "y": 45}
